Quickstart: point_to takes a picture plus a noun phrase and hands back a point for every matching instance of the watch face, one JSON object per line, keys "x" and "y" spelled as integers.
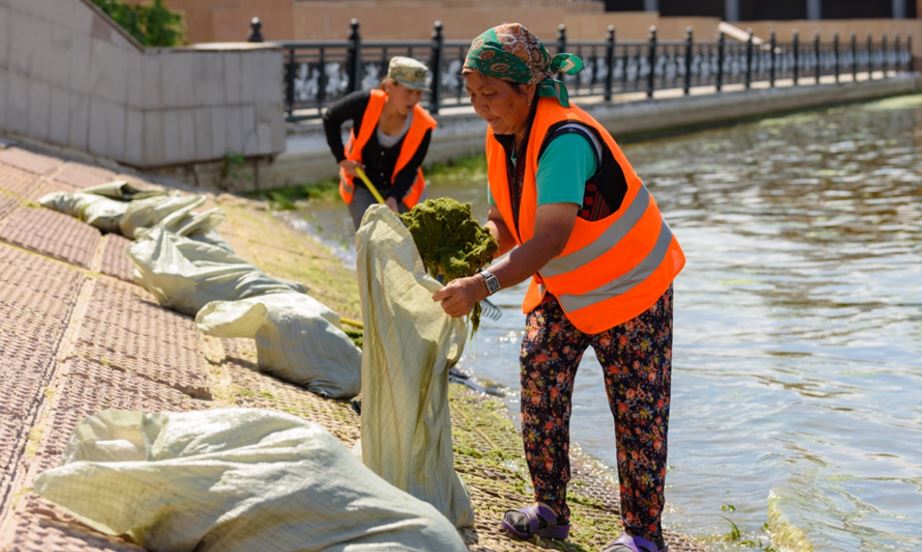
{"x": 492, "y": 283}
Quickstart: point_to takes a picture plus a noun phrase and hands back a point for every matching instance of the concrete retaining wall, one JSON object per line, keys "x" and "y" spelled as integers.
{"x": 308, "y": 159}
{"x": 71, "y": 77}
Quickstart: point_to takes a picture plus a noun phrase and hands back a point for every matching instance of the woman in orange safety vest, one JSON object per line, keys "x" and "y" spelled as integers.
{"x": 389, "y": 139}
{"x": 569, "y": 209}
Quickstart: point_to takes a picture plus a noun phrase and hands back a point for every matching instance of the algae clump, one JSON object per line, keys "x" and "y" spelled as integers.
{"x": 450, "y": 242}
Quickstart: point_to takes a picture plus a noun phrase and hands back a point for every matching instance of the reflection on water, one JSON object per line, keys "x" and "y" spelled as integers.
{"x": 798, "y": 326}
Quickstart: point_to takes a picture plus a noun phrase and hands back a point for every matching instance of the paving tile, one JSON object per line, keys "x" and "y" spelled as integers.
{"x": 13, "y": 435}
{"x": 49, "y": 185}
{"x": 89, "y": 388}
{"x": 39, "y": 526}
{"x": 258, "y": 390}
{"x": 37, "y": 296}
{"x": 34, "y": 314}
{"x": 29, "y": 161}
{"x": 7, "y": 204}
{"x": 78, "y": 175}
{"x": 126, "y": 329}
{"x": 52, "y": 233}
{"x": 24, "y": 373}
{"x": 115, "y": 260}
{"x": 22, "y": 184}
{"x": 35, "y": 291}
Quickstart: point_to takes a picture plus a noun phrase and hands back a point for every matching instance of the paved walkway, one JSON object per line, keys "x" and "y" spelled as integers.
{"x": 77, "y": 337}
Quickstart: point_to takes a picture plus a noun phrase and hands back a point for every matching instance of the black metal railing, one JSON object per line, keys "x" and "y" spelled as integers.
{"x": 320, "y": 72}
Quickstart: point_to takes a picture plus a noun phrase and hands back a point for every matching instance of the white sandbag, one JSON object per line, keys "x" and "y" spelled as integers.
{"x": 118, "y": 206}
{"x": 298, "y": 340}
{"x": 198, "y": 226}
{"x": 146, "y": 213}
{"x": 234, "y": 480}
{"x": 185, "y": 275}
{"x": 97, "y": 210}
{"x": 409, "y": 345}
{"x": 122, "y": 190}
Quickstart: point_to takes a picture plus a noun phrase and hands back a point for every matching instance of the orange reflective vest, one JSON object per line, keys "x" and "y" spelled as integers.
{"x": 610, "y": 270}
{"x": 422, "y": 122}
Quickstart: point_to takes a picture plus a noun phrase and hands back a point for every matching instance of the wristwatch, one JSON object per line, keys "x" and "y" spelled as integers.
{"x": 490, "y": 280}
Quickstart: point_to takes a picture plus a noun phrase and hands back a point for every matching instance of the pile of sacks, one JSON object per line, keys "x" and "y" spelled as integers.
{"x": 260, "y": 480}
{"x": 188, "y": 267}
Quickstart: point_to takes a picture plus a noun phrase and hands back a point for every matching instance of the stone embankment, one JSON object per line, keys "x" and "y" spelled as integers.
{"x": 77, "y": 337}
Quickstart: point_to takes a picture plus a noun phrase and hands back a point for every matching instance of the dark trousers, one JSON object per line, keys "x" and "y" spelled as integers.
{"x": 361, "y": 201}
{"x": 636, "y": 359}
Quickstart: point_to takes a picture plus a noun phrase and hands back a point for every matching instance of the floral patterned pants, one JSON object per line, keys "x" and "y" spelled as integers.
{"x": 636, "y": 359}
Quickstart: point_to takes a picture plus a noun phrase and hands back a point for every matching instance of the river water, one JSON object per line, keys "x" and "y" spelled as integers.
{"x": 797, "y": 375}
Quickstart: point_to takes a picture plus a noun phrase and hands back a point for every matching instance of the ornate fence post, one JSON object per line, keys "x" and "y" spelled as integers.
{"x": 321, "y": 79}
{"x": 651, "y": 76}
{"x": 816, "y": 56}
{"x": 290, "y": 69}
{"x": 256, "y": 30}
{"x": 435, "y": 64}
{"x": 721, "y": 52}
{"x": 749, "y": 60}
{"x": 773, "y": 44}
{"x": 561, "y": 45}
{"x": 909, "y": 64}
{"x": 609, "y": 61}
{"x": 870, "y": 47}
{"x": 795, "y": 47}
{"x": 689, "y": 52}
{"x": 883, "y": 53}
{"x": 835, "y": 55}
{"x": 354, "y": 55}
{"x": 897, "y": 66}
{"x": 854, "y": 44}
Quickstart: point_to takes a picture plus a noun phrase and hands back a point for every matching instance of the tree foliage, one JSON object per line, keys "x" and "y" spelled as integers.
{"x": 151, "y": 24}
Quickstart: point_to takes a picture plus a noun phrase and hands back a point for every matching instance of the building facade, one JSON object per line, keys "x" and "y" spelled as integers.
{"x": 753, "y": 10}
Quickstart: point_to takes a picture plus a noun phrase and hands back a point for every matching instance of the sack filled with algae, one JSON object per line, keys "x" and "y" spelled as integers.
{"x": 409, "y": 346}
{"x": 451, "y": 243}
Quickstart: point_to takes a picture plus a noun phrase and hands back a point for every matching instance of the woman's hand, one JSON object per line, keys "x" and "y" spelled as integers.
{"x": 349, "y": 166}
{"x": 459, "y": 296}
{"x": 392, "y": 203}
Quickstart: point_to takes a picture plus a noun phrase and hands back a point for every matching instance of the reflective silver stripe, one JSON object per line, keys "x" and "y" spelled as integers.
{"x": 638, "y": 274}
{"x": 608, "y": 239}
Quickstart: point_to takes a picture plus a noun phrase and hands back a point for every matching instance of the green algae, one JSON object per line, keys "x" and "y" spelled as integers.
{"x": 450, "y": 242}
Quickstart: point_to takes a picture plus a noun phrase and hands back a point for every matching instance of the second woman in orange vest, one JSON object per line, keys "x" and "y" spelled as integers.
{"x": 389, "y": 139}
{"x": 574, "y": 216}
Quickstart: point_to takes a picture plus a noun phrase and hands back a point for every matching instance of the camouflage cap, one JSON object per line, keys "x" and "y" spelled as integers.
{"x": 408, "y": 72}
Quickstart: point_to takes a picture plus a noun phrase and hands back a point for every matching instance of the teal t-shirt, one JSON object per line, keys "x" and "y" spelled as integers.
{"x": 567, "y": 162}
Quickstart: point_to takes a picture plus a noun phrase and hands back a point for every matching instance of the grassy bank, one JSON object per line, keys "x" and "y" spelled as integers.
{"x": 287, "y": 197}
{"x": 488, "y": 450}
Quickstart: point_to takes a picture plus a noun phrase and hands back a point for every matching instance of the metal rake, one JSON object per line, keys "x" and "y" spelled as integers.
{"x": 491, "y": 311}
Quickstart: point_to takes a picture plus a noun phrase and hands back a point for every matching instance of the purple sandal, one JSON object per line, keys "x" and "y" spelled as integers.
{"x": 535, "y": 520}
{"x": 628, "y": 543}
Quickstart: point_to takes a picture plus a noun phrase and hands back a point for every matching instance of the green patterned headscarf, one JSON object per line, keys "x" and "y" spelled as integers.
{"x": 512, "y": 53}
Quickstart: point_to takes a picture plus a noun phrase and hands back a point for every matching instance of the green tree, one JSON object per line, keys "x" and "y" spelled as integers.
{"x": 151, "y": 25}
